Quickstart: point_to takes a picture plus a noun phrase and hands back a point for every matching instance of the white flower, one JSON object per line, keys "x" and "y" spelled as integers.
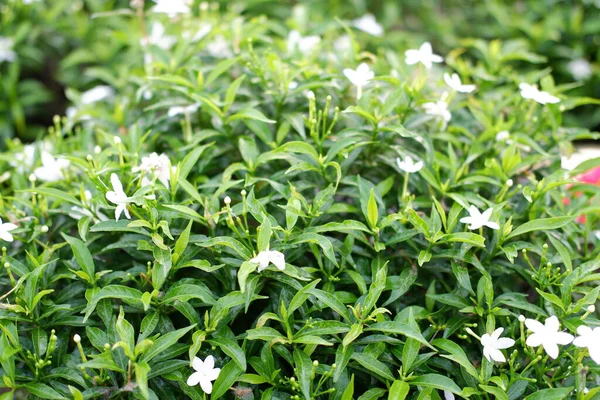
{"x": 219, "y": 48}
{"x": 177, "y": 110}
{"x": 304, "y": 44}
{"x": 580, "y": 68}
{"x": 368, "y": 23}
{"x": 455, "y": 83}
{"x": 118, "y": 197}
{"x": 6, "y": 49}
{"x": 51, "y": 169}
{"x": 26, "y": 159}
{"x": 343, "y": 44}
{"x": 269, "y": 256}
{"x": 477, "y": 219}
{"x": 205, "y": 373}
{"x": 158, "y": 38}
{"x": 171, "y": 7}
{"x": 423, "y": 55}
{"x": 589, "y": 338}
{"x": 155, "y": 165}
{"x": 359, "y": 77}
{"x": 502, "y": 136}
{"x": 448, "y": 395}
{"x": 76, "y": 338}
{"x": 89, "y": 211}
{"x": 5, "y": 229}
{"x": 438, "y": 109}
{"x": 492, "y": 344}
{"x": 408, "y": 165}
{"x": 547, "y": 335}
{"x": 531, "y": 92}
{"x": 581, "y": 155}
{"x": 96, "y": 94}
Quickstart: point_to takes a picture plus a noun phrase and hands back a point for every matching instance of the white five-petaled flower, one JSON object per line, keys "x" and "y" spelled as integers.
{"x": 51, "y": 169}
{"x": 269, "y": 256}
{"x": 177, "y": 110}
{"x": 531, "y": 92}
{"x": 171, "y": 7}
{"x": 438, "y": 109}
{"x": 423, "y": 55}
{"x": 5, "y": 229}
{"x": 158, "y": 38}
{"x": 6, "y": 49}
{"x": 96, "y": 94}
{"x": 155, "y": 165}
{"x": 304, "y": 44}
{"x": 368, "y": 23}
{"x": 492, "y": 344}
{"x": 547, "y": 335}
{"x": 580, "y": 68}
{"x": 455, "y": 83}
{"x": 205, "y": 373}
{"x": 118, "y": 197}
{"x": 477, "y": 219}
{"x": 589, "y": 338}
{"x": 359, "y": 77}
{"x": 409, "y": 165}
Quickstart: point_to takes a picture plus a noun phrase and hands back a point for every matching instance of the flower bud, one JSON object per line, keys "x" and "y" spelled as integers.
{"x": 44, "y": 228}
{"x": 591, "y": 308}
{"x": 227, "y": 200}
{"x": 32, "y": 178}
{"x": 521, "y": 318}
{"x": 509, "y": 183}
{"x": 310, "y": 95}
{"x": 117, "y": 139}
{"x": 76, "y": 338}
{"x": 97, "y": 149}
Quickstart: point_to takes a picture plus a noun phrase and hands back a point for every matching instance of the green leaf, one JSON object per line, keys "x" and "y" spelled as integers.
{"x": 349, "y": 392}
{"x": 54, "y": 193}
{"x": 399, "y": 328}
{"x": 43, "y": 391}
{"x": 229, "y": 374}
{"x": 232, "y": 349}
{"x": 245, "y": 270}
{"x": 141, "y": 377}
{"x": 542, "y": 224}
{"x": 399, "y": 390}
{"x": 457, "y": 354}
{"x": 303, "y": 370}
{"x": 373, "y": 365}
{"x": 182, "y": 242}
{"x": 550, "y": 394}
{"x": 186, "y": 291}
{"x": 436, "y": 381}
{"x": 263, "y": 239}
{"x": 252, "y": 114}
{"x": 372, "y": 212}
{"x": 82, "y": 255}
{"x": 120, "y": 292}
{"x": 165, "y": 342}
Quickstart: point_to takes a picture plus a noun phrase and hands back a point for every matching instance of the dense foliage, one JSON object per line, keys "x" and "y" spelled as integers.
{"x": 264, "y": 201}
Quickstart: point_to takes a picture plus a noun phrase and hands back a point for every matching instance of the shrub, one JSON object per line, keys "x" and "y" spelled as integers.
{"x": 245, "y": 210}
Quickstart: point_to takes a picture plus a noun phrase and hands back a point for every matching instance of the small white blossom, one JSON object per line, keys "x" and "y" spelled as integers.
{"x": 581, "y": 155}
{"x": 581, "y": 69}
{"x": 438, "y": 109}
{"x": 408, "y": 165}
{"x": 26, "y": 159}
{"x": 5, "y": 229}
{"x": 531, "y": 92}
{"x": 154, "y": 165}
{"x": 269, "y": 256}
{"x": 96, "y": 94}
{"x": 118, "y": 197}
{"x": 158, "y": 37}
{"x": 368, "y": 23}
{"x": 492, "y": 344}
{"x": 6, "y": 49}
{"x": 177, "y": 110}
{"x": 455, "y": 83}
{"x": 589, "y": 338}
{"x": 205, "y": 373}
{"x": 304, "y": 44}
{"x": 502, "y": 136}
{"x": 359, "y": 77}
{"x": 343, "y": 44}
{"x": 423, "y": 55}
{"x": 51, "y": 169}
{"x": 477, "y": 219}
{"x": 547, "y": 335}
{"x": 171, "y": 7}
{"x": 219, "y": 48}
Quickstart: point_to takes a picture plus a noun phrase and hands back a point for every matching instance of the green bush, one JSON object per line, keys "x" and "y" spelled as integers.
{"x": 286, "y": 207}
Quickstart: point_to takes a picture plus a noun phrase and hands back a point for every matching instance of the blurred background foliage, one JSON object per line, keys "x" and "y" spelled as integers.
{"x": 64, "y": 47}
